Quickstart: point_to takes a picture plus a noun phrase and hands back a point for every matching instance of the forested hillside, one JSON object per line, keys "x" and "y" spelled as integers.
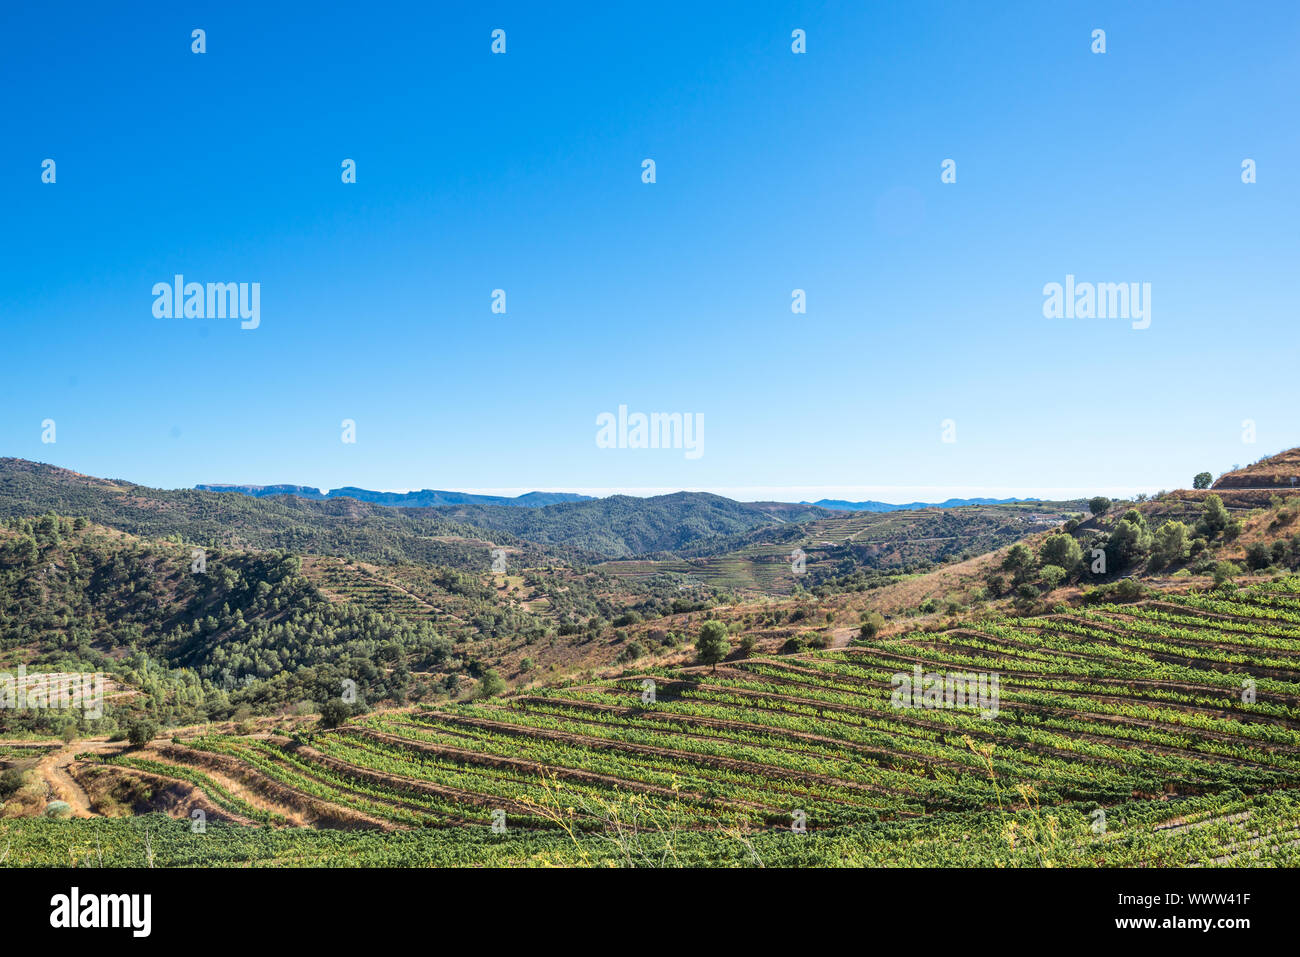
{"x": 247, "y": 629}
{"x": 332, "y": 527}
{"x": 621, "y": 526}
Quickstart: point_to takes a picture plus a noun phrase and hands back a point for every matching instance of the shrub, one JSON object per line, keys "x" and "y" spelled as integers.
{"x": 1258, "y": 556}
{"x": 141, "y": 731}
{"x": 632, "y": 652}
{"x": 490, "y": 684}
{"x": 1053, "y": 575}
{"x": 334, "y": 712}
{"x": 1129, "y": 589}
{"x": 872, "y": 623}
{"x": 1125, "y": 590}
{"x": 1224, "y": 572}
{"x": 11, "y": 780}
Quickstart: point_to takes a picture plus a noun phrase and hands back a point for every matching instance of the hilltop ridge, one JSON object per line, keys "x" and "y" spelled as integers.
{"x": 425, "y": 498}
{"x": 1273, "y": 471}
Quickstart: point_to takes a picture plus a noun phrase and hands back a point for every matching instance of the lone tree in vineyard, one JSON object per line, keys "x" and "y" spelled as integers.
{"x": 334, "y": 712}
{"x": 713, "y": 644}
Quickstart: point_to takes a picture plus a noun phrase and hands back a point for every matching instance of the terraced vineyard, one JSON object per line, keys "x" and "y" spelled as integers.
{"x": 763, "y": 569}
{"x": 759, "y": 560}
{"x": 1118, "y": 733}
{"x": 353, "y": 583}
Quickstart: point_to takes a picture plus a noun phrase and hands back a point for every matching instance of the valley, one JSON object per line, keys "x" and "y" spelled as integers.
{"x": 379, "y": 693}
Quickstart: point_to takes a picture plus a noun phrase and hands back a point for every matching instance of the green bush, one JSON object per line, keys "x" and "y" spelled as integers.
{"x": 334, "y": 712}
{"x": 1258, "y": 556}
{"x": 491, "y": 684}
{"x": 1224, "y": 572}
{"x": 872, "y": 624}
{"x": 141, "y": 731}
{"x": 1053, "y": 575}
{"x": 11, "y": 779}
{"x": 632, "y": 652}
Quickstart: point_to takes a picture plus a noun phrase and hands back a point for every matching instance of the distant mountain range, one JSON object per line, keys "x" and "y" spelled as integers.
{"x": 459, "y": 536}
{"x": 842, "y": 506}
{"x": 437, "y": 498}
{"x": 424, "y": 527}
{"x": 427, "y": 498}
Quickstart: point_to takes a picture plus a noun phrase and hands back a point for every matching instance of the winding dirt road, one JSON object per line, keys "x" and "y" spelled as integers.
{"x": 53, "y": 769}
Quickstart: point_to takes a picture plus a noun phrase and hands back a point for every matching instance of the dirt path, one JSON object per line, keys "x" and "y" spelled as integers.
{"x": 53, "y": 769}
{"x": 841, "y": 637}
{"x": 61, "y": 783}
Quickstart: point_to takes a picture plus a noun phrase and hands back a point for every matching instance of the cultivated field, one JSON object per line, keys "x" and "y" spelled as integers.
{"x": 1161, "y": 732}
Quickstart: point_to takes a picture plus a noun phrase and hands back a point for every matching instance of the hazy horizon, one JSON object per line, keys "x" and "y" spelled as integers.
{"x": 888, "y": 494}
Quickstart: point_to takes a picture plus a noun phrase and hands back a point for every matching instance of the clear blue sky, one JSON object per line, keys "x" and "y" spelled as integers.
{"x": 775, "y": 171}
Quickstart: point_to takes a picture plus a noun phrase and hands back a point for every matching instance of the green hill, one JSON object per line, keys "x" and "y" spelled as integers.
{"x": 341, "y": 526}
{"x": 622, "y": 526}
